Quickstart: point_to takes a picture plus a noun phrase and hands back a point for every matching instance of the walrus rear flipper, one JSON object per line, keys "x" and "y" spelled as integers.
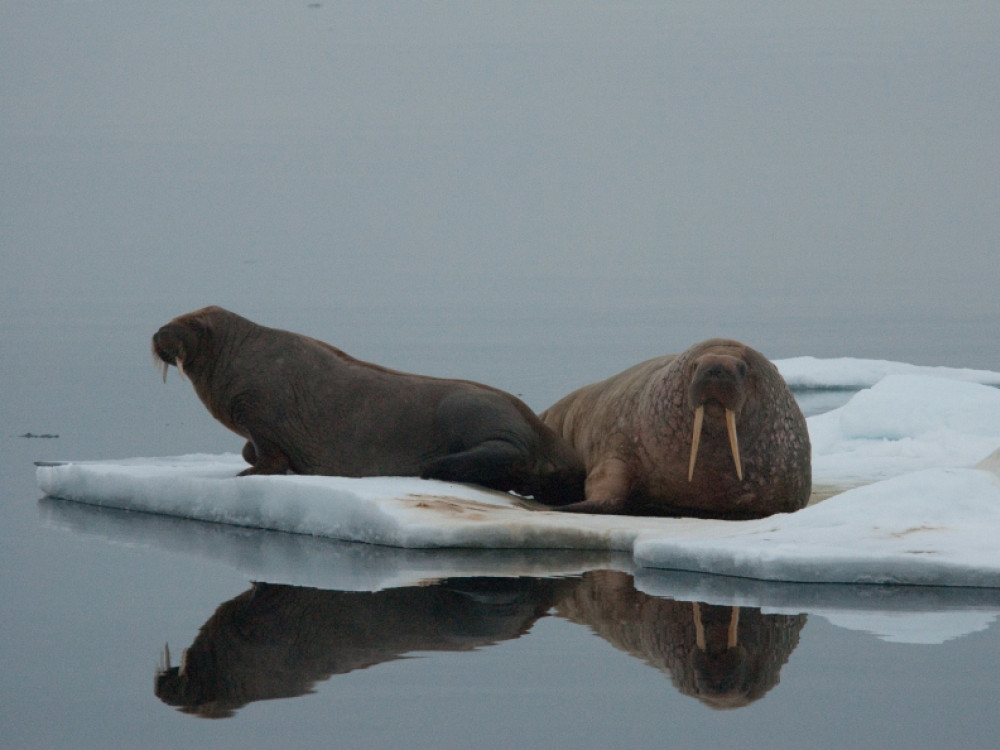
{"x": 487, "y": 442}
{"x": 497, "y": 464}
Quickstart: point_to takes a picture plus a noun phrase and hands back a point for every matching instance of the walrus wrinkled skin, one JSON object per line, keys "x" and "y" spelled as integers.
{"x": 308, "y": 408}
{"x": 712, "y": 432}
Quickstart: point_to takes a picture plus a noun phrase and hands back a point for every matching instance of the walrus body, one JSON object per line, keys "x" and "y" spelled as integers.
{"x": 308, "y": 408}
{"x": 712, "y": 432}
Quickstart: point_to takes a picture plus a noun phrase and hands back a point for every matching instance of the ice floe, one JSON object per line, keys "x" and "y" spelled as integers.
{"x": 915, "y": 508}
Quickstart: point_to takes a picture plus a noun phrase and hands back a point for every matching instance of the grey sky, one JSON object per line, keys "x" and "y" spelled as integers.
{"x": 772, "y": 156}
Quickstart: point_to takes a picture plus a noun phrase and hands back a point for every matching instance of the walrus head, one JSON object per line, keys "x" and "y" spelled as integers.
{"x": 179, "y": 341}
{"x": 718, "y": 383}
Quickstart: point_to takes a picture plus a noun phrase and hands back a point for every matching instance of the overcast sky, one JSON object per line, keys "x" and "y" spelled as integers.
{"x": 556, "y": 155}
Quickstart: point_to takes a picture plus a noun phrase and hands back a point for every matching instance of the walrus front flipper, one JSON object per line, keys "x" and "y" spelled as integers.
{"x": 264, "y": 460}
{"x": 608, "y": 487}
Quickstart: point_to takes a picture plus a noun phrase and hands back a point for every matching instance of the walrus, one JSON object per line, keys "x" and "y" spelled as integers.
{"x": 712, "y": 432}
{"x": 306, "y": 407}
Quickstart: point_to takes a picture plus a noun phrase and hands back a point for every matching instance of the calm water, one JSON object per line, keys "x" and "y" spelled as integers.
{"x": 534, "y": 197}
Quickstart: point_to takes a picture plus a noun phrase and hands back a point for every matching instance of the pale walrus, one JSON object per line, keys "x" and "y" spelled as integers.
{"x": 713, "y": 432}
{"x": 308, "y": 408}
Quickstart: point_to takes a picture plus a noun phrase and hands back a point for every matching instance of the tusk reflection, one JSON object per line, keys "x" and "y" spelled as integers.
{"x": 734, "y": 624}
{"x": 732, "y": 633}
{"x": 699, "y": 627}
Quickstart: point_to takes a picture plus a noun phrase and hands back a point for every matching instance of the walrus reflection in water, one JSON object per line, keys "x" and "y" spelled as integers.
{"x": 712, "y": 432}
{"x": 726, "y": 657}
{"x": 306, "y": 407}
{"x": 278, "y": 641}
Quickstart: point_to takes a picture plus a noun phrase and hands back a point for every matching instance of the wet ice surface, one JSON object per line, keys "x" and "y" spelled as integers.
{"x": 921, "y": 499}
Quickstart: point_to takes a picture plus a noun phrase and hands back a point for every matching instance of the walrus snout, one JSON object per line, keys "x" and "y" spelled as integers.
{"x": 720, "y": 378}
{"x": 168, "y": 349}
{"x": 717, "y": 379}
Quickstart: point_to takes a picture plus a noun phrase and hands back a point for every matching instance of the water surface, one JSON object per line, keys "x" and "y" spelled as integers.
{"x": 530, "y": 196}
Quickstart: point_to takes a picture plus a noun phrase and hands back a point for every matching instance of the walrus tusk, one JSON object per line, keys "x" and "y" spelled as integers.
{"x": 165, "y": 665}
{"x": 733, "y": 442}
{"x": 734, "y": 445}
{"x": 699, "y": 415}
{"x": 699, "y": 627}
{"x": 161, "y": 367}
{"x": 734, "y": 624}
{"x": 180, "y": 369}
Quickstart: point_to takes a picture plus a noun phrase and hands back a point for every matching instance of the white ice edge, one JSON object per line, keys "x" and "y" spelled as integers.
{"x": 851, "y": 373}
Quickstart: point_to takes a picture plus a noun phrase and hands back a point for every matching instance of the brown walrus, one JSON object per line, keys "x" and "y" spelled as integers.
{"x": 713, "y": 432}
{"x": 306, "y": 407}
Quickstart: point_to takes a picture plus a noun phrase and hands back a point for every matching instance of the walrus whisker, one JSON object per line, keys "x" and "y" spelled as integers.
{"x": 699, "y": 415}
{"x": 734, "y": 622}
{"x": 699, "y": 627}
{"x": 733, "y": 442}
